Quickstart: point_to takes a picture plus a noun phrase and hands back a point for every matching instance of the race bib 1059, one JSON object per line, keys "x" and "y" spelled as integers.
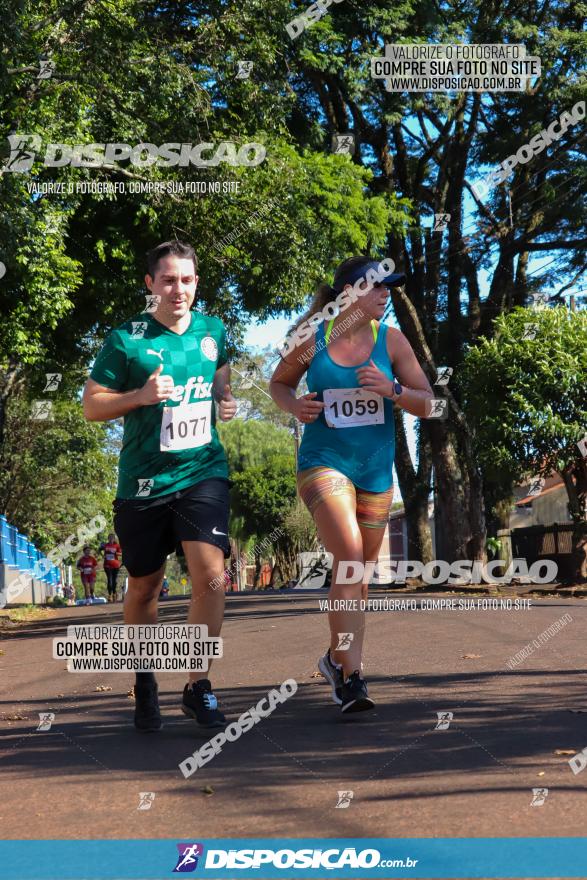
{"x": 352, "y": 407}
{"x": 186, "y": 427}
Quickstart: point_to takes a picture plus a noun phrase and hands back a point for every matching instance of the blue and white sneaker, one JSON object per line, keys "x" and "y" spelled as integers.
{"x": 333, "y": 675}
{"x": 200, "y": 703}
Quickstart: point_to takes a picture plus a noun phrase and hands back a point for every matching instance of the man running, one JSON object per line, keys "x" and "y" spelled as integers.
{"x": 162, "y": 370}
{"x": 346, "y": 455}
{"x": 87, "y": 565}
{"x": 111, "y": 550}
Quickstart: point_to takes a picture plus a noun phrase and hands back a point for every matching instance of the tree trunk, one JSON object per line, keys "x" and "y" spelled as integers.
{"x": 575, "y": 480}
{"x": 459, "y": 513}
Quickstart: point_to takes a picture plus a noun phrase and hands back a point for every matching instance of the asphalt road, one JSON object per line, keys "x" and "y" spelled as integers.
{"x": 83, "y": 777}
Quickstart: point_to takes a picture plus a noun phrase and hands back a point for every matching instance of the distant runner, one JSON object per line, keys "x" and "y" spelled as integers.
{"x": 88, "y": 565}
{"x": 162, "y": 370}
{"x": 346, "y": 455}
{"x": 111, "y": 550}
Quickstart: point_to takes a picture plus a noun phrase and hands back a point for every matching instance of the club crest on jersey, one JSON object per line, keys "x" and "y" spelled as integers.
{"x": 209, "y": 348}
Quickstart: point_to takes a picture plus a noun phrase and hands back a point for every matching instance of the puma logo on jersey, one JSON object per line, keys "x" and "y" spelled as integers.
{"x": 194, "y": 389}
{"x": 156, "y": 353}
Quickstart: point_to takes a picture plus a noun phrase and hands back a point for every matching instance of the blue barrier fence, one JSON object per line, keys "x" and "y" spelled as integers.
{"x": 17, "y": 552}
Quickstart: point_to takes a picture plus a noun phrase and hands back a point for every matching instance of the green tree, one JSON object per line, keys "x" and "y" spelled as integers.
{"x": 524, "y": 395}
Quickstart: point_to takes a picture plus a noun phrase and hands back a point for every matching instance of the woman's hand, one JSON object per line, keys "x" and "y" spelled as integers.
{"x": 307, "y": 409}
{"x": 372, "y": 379}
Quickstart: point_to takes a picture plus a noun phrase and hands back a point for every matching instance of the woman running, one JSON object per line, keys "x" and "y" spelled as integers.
{"x": 87, "y": 565}
{"x": 346, "y": 455}
{"x": 112, "y": 551}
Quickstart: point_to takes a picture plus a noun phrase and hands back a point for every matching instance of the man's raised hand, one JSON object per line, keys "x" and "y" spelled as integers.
{"x": 156, "y": 388}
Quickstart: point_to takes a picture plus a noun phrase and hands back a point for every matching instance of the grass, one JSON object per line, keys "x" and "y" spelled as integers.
{"x": 26, "y": 613}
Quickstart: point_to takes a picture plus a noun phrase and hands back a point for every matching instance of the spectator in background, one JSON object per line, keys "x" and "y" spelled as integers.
{"x": 87, "y": 565}
{"x": 164, "y": 589}
{"x": 112, "y": 551}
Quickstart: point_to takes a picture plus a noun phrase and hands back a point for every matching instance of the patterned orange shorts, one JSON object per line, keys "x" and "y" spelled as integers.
{"x": 318, "y": 483}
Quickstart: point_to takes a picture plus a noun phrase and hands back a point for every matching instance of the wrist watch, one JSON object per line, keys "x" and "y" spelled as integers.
{"x": 397, "y": 389}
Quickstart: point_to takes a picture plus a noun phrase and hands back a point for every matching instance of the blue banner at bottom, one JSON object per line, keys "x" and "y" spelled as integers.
{"x": 338, "y": 858}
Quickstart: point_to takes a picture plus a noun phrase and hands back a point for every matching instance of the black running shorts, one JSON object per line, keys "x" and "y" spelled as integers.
{"x": 148, "y": 531}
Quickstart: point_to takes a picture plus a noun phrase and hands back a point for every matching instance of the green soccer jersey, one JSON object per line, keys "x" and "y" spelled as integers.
{"x": 171, "y": 445}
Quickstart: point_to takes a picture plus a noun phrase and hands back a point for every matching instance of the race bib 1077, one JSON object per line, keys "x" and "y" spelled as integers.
{"x": 186, "y": 426}
{"x": 352, "y": 407}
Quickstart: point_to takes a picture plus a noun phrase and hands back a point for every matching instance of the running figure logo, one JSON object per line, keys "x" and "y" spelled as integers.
{"x": 189, "y": 853}
{"x": 152, "y": 300}
{"x": 444, "y": 719}
{"x": 444, "y": 374}
{"x": 46, "y": 69}
{"x": 436, "y": 408}
{"x": 42, "y": 409}
{"x": 244, "y": 69}
{"x": 46, "y": 719}
{"x": 539, "y": 795}
{"x": 53, "y": 380}
{"x": 344, "y": 799}
{"x": 145, "y": 487}
{"x": 344, "y": 641}
{"x": 21, "y": 159}
{"x": 343, "y": 143}
{"x": 146, "y": 799}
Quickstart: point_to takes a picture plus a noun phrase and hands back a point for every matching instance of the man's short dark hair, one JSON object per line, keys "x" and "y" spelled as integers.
{"x": 170, "y": 248}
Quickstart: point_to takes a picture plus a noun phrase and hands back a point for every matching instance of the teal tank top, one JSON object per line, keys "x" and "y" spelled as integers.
{"x": 363, "y": 453}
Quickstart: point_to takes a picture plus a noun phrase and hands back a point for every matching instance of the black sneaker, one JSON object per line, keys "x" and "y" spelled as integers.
{"x": 354, "y": 694}
{"x": 333, "y": 675}
{"x": 147, "y": 714}
{"x": 200, "y": 703}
